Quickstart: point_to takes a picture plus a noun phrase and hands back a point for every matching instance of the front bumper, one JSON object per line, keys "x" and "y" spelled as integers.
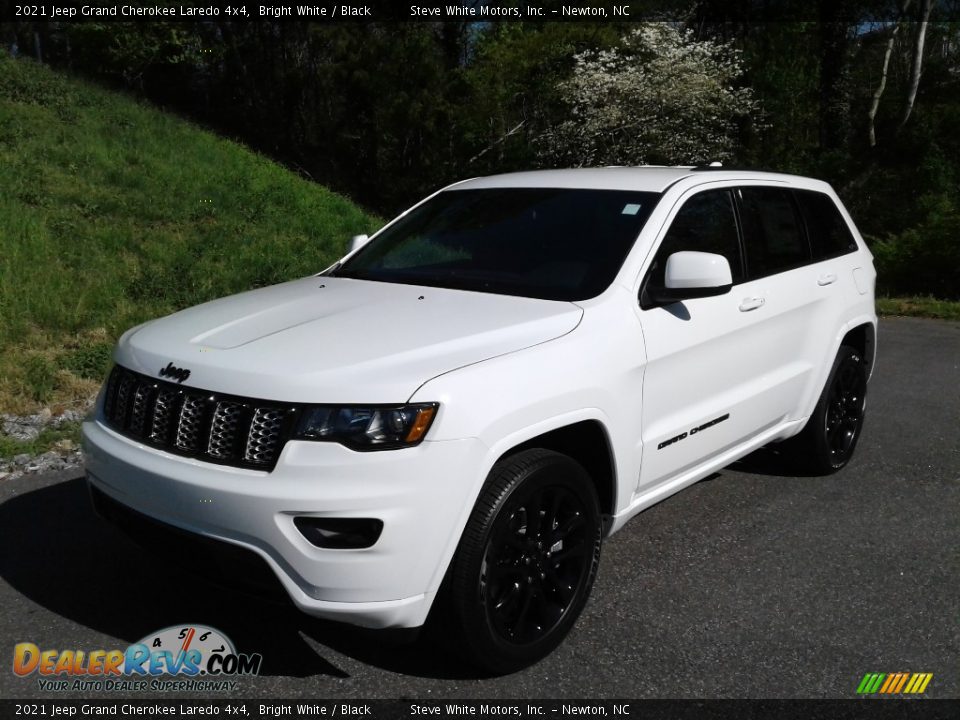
{"x": 419, "y": 493}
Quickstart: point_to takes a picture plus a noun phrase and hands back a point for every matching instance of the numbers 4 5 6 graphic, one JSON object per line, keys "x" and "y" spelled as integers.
{"x": 190, "y": 650}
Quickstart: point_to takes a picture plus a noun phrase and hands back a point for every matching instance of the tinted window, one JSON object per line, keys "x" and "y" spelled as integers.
{"x": 705, "y": 223}
{"x": 550, "y": 243}
{"x": 772, "y": 233}
{"x": 828, "y": 231}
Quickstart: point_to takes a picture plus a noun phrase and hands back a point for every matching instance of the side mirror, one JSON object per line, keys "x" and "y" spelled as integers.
{"x": 691, "y": 274}
{"x": 358, "y": 241}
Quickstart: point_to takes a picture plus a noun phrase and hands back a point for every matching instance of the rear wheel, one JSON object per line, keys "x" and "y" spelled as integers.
{"x": 526, "y": 562}
{"x": 827, "y": 442}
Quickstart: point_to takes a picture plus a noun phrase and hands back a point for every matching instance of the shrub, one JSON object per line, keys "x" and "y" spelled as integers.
{"x": 40, "y": 375}
{"x": 924, "y": 259}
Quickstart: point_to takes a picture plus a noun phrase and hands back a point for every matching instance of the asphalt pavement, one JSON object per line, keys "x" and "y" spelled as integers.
{"x": 754, "y": 583}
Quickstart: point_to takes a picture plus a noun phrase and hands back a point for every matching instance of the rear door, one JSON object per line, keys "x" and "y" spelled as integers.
{"x": 829, "y": 280}
{"x": 798, "y": 317}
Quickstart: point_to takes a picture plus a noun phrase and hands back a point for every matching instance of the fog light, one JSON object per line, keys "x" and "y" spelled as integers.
{"x": 339, "y": 533}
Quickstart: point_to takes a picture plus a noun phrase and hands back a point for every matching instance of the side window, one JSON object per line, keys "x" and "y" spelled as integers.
{"x": 706, "y": 223}
{"x": 772, "y": 231}
{"x": 828, "y": 231}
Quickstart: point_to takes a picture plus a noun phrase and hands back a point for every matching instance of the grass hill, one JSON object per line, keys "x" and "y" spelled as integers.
{"x": 113, "y": 212}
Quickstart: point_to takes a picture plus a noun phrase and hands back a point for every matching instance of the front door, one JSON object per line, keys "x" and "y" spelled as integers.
{"x": 708, "y": 359}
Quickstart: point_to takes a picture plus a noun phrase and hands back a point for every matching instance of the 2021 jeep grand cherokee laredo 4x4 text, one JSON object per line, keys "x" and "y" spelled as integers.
{"x": 500, "y": 378}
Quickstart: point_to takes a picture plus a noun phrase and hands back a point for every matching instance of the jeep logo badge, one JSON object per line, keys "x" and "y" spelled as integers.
{"x": 178, "y": 374}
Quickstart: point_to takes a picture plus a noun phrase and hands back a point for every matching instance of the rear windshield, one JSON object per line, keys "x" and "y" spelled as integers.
{"x": 548, "y": 243}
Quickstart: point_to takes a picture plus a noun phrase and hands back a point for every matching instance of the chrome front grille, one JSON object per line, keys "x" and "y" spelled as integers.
{"x": 224, "y": 429}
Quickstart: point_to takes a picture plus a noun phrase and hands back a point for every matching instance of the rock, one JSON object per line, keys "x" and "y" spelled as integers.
{"x": 28, "y": 427}
{"x": 68, "y": 416}
{"x": 24, "y": 429}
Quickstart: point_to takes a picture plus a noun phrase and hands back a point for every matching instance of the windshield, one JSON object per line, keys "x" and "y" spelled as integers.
{"x": 549, "y": 243}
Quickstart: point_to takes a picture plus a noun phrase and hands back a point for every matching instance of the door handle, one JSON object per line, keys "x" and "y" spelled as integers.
{"x": 827, "y": 279}
{"x": 753, "y": 303}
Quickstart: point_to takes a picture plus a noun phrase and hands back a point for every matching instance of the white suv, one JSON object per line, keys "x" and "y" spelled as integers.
{"x": 465, "y": 406}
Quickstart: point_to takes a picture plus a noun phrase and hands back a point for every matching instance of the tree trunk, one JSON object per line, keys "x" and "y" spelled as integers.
{"x": 875, "y": 103}
{"x": 917, "y": 66}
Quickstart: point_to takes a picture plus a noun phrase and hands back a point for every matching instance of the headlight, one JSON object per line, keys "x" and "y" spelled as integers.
{"x": 374, "y": 427}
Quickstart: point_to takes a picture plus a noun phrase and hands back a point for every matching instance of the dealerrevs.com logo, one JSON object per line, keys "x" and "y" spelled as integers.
{"x": 894, "y": 683}
{"x": 204, "y": 657}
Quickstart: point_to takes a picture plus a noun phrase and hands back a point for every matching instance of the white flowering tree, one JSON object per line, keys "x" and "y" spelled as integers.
{"x": 662, "y": 97}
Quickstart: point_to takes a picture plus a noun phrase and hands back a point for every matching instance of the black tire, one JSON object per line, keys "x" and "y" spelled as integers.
{"x": 526, "y": 561}
{"x": 828, "y": 440}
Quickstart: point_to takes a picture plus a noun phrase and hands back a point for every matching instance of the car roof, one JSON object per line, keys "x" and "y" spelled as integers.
{"x": 644, "y": 179}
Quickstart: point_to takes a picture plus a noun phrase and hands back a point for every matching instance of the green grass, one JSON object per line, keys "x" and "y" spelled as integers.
{"x": 112, "y": 212}
{"x": 927, "y": 307}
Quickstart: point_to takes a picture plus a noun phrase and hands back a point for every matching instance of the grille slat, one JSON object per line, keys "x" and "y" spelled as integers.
{"x": 264, "y": 435}
{"x": 111, "y": 395}
{"x": 223, "y": 429}
{"x": 142, "y": 405}
{"x": 125, "y": 388}
{"x": 188, "y": 427}
{"x": 166, "y": 409}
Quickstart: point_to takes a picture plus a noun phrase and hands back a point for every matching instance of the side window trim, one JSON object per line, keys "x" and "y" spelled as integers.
{"x": 804, "y": 225}
{"x": 738, "y": 213}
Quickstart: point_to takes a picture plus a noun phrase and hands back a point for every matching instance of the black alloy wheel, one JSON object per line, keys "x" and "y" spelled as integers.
{"x": 527, "y": 560}
{"x": 826, "y": 443}
{"x": 845, "y": 409}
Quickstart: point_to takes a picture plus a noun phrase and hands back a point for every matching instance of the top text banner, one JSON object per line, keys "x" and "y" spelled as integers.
{"x": 319, "y": 11}
{"x": 485, "y": 11}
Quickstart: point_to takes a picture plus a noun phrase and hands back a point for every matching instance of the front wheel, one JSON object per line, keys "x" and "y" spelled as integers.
{"x": 526, "y": 562}
{"x": 830, "y": 436}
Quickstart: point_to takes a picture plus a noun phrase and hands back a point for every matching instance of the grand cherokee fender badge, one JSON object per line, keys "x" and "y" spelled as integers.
{"x": 178, "y": 374}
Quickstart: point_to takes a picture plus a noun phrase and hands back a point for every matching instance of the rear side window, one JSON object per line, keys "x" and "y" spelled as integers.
{"x": 828, "y": 231}
{"x": 772, "y": 231}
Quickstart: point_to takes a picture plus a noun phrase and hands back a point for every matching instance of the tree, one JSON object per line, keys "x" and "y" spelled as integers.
{"x": 661, "y": 97}
{"x": 512, "y": 82}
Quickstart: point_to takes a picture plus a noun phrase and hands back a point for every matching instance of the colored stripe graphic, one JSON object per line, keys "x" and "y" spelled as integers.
{"x": 891, "y": 681}
{"x": 894, "y": 683}
{"x": 903, "y": 679}
{"x": 870, "y": 683}
{"x": 918, "y": 683}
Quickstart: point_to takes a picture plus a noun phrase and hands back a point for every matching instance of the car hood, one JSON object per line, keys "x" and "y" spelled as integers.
{"x": 338, "y": 340}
